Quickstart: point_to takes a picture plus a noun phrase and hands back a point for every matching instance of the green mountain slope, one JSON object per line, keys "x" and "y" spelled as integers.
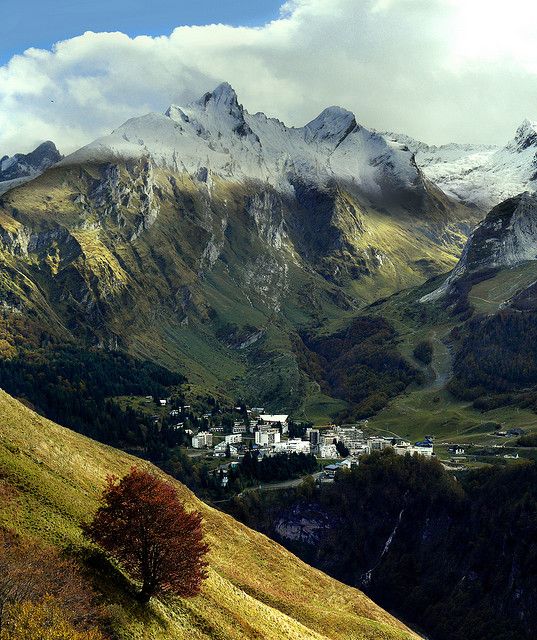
{"x": 213, "y": 280}
{"x": 255, "y": 589}
{"x": 483, "y": 373}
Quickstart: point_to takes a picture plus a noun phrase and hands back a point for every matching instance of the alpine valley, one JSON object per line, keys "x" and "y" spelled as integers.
{"x": 209, "y": 259}
{"x": 225, "y": 245}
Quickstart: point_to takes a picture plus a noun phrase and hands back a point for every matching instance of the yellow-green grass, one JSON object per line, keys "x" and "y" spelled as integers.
{"x": 436, "y": 412}
{"x": 402, "y": 245}
{"x": 488, "y": 295}
{"x": 256, "y": 589}
{"x": 50, "y": 193}
{"x": 100, "y": 261}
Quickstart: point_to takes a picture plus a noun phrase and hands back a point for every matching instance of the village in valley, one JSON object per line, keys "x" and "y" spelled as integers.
{"x": 271, "y": 437}
{"x": 227, "y": 435}
{"x": 221, "y": 448}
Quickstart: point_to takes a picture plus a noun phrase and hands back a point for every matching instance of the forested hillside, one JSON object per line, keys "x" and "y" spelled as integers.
{"x": 456, "y": 556}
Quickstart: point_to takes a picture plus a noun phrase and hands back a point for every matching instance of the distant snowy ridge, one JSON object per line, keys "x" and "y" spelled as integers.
{"x": 216, "y": 136}
{"x": 21, "y": 168}
{"x": 480, "y": 175}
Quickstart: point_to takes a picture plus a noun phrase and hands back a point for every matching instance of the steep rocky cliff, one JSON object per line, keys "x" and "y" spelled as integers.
{"x": 507, "y": 237}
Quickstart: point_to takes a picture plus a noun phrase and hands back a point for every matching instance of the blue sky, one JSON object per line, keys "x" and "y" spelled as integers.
{"x": 41, "y": 23}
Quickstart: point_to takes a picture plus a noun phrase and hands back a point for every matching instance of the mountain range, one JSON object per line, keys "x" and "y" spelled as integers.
{"x": 480, "y": 175}
{"x": 225, "y": 244}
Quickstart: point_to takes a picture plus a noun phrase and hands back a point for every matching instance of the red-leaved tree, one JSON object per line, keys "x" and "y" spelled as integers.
{"x": 143, "y": 524}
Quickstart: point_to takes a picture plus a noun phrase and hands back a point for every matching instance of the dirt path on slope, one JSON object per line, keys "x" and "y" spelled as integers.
{"x": 442, "y": 362}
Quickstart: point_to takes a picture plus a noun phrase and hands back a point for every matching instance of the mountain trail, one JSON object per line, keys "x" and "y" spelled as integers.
{"x": 442, "y": 362}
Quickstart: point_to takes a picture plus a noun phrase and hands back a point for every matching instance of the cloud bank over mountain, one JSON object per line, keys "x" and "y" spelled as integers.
{"x": 440, "y": 70}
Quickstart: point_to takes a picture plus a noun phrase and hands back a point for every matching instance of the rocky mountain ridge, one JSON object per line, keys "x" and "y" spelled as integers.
{"x": 216, "y": 136}
{"x": 480, "y": 175}
{"x": 20, "y": 168}
{"x": 507, "y": 237}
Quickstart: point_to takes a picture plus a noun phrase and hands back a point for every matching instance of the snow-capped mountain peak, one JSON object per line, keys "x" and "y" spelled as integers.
{"x": 481, "y": 175}
{"x": 216, "y": 136}
{"x": 223, "y": 96}
{"x": 217, "y": 112}
{"x": 334, "y": 123}
{"x": 525, "y": 136}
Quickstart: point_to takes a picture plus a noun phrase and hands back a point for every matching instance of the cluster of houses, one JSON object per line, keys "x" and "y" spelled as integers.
{"x": 510, "y": 433}
{"x": 358, "y": 444}
{"x": 270, "y": 437}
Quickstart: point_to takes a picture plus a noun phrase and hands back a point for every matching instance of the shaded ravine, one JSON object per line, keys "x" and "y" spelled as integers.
{"x": 442, "y": 362}
{"x": 366, "y": 577}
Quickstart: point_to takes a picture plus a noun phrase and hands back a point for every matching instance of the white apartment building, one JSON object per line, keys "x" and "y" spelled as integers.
{"x": 294, "y": 445}
{"x": 328, "y": 437}
{"x": 360, "y": 450}
{"x": 239, "y": 427}
{"x": 352, "y": 438}
{"x": 378, "y": 443}
{"x": 267, "y": 437}
{"x": 276, "y": 420}
{"x": 221, "y": 448}
{"x": 233, "y": 438}
{"x": 328, "y": 451}
{"x": 202, "y": 439}
{"x": 403, "y": 448}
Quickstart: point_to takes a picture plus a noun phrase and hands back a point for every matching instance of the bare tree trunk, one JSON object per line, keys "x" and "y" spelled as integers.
{"x": 144, "y": 596}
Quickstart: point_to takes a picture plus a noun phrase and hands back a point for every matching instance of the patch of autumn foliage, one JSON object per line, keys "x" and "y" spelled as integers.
{"x": 144, "y": 526}
{"x": 43, "y": 595}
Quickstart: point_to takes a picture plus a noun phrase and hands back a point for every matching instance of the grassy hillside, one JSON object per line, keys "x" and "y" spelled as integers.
{"x": 161, "y": 266}
{"x": 256, "y": 589}
{"x": 431, "y": 408}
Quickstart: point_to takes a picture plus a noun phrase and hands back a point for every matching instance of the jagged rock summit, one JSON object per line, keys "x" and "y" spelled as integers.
{"x": 333, "y": 125}
{"x": 215, "y": 136}
{"x": 526, "y": 136}
{"x": 20, "y": 168}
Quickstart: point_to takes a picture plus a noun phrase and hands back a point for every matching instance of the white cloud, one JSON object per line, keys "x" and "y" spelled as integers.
{"x": 440, "y": 70}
